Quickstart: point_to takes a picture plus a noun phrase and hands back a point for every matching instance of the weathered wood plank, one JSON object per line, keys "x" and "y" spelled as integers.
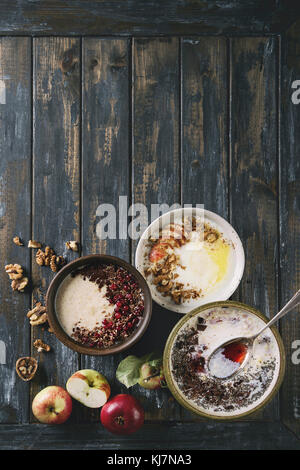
{"x": 155, "y": 176}
{"x": 105, "y": 158}
{"x": 204, "y": 142}
{"x": 151, "y": 17}
{"x": 289, "y": 223}
{"x": 253, "y": 188}
{"x": 154, "y": 436}
{"x": 15, "y": 196}
{"x": 204, "y": 124}
{"x": 56, "y": 177}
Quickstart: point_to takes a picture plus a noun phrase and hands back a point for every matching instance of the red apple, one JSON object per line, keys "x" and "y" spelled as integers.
{"x": 89, "y": 387}
{"x": 52, "y": 405}
{"x": 123, "y": 414}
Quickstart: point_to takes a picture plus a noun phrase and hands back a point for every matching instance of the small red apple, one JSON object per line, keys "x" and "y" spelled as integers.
{"x": 151, "y": 377}
{"x": 52, "y": 405}
{"x": 123, "y": 414}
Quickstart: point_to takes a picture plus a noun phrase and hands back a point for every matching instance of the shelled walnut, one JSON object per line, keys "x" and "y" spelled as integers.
{"x": 34, "y": 244}
{"x": 72, "y": 245}
{"x": 38, "y": 315}
{"x": 26, "y": 368}
{"x": 19, "y": 284}
{"x": 17, "y": 241}
{"x": 40, "y": 346}
{"x": 49, "y": 258}
{"x": 15, "y": 273}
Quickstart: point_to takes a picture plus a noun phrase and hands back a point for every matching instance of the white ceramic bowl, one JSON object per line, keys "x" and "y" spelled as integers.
{"x": 225, "y": 288}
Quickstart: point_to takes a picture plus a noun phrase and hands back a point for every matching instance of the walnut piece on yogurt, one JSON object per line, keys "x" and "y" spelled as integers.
{"x": 26, "y": 368}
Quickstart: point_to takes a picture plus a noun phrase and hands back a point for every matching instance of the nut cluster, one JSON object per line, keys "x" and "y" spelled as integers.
{"x": 164, "y": 278}
{"x": 15, "y": 273}
{"x": 163, "y": 260}
{"x": 49, "y": 258}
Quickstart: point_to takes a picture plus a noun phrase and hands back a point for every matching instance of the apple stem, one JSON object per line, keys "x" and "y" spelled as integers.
{"x": 151, "y": 376}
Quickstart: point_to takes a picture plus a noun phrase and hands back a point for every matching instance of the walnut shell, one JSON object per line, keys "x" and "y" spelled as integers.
{"x": 26, "y": 368}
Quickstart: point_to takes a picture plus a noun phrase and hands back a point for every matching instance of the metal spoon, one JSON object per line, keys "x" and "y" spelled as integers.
{"x": 248, "y": 341}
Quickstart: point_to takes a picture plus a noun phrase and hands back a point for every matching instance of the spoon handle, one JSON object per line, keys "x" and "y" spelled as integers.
{"x": 293, "y": 302}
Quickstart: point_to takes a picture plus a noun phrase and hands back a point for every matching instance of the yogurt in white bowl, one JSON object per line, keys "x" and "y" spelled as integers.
{"x": 190, "y": 257}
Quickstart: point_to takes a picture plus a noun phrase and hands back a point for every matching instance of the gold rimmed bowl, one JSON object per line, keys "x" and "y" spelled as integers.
{"x": 191, "y": 405}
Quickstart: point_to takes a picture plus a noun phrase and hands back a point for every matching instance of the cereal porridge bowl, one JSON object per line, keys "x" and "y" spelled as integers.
{"x": 98, "y": 305}
{"x": 190, "y": 257}
{"x": 192, "y": 341}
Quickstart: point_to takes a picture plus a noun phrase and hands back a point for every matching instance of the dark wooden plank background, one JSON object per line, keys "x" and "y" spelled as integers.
{"x": 175, "y": 117}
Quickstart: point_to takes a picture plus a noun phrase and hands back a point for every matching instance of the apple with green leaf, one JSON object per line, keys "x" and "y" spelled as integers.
{"x": 147, "y": 371}
{"x": 89, "y": 387}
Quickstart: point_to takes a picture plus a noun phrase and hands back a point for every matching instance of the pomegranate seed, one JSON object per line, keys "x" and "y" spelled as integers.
{"x": 126, "y": 287}
{"x": 113, "y": 286}
{"x": 117, "y": 315}
{"x": 119, "y": 304}
{"x": 129, "y": 296}
{"x": 125, "y": 308}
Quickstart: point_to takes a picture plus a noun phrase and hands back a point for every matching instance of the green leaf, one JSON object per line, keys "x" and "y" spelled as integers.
{"x": 128, "y": 371}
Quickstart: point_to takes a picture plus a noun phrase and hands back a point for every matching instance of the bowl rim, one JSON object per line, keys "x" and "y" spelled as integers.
{"x": 167, "y": 354}
{"x": 59, "y": 331}
{"x": 239, "y": 249}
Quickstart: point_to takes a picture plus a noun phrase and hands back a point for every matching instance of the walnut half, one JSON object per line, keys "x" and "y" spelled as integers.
{"x": 72, "y": 245}
{"x": 17, "y": 241}
{"x": 15, "y": 273}
{"x": 37, "y": 315}
{"x": 26, "y": 368}
{"x": 40, "y": 346}
{"x": 19, "y": 284}
{"x": 34, "y": 244}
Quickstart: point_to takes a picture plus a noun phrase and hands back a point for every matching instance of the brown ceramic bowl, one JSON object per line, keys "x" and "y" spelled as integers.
{"x": 59, "y": 331}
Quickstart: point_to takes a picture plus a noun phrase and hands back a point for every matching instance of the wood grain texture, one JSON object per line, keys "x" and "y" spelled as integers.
{"x": 105, "y": 159}
{"x": 15, "y": 196}
{"x": 290, "y": 225}
{"x": 205, "y": 124}
{"x": 154, "y": 436}
{"x": 56, "y": 178}
{"x": 155, "y": 178}
{"x": 151, "y": 17}
{"x": 253, "y": 183}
